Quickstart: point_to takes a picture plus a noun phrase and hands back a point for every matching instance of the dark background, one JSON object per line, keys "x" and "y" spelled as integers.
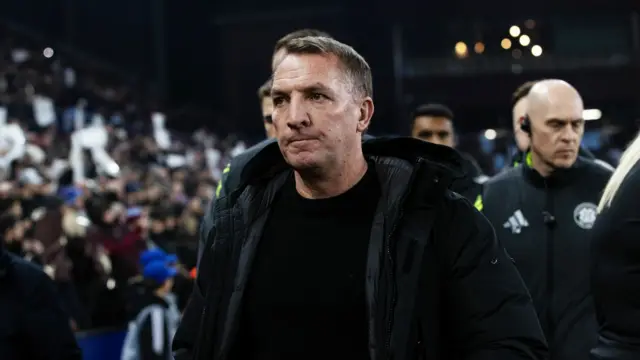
{"x": 215, "y": 55}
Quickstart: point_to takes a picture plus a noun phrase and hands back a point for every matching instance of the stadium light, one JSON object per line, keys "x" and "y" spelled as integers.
{"x": 478, "y": 47}
{"x": 47, "y": 52}
{"x": 506, "y": 44}
{"x": 530, "y": 24}
{"x": 490, "y": 134}
{"x": 514, "y": 31}
{"x": 461, "y": 49}
{"x": 525, "y": 40}
{"x": 591, "y": 114}
{"x": 536, "y": 50}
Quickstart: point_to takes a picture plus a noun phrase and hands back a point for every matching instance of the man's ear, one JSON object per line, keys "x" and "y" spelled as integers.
{"x": 366, "y": 113}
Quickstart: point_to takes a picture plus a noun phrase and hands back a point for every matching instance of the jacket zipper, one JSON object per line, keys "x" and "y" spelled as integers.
{"x": 550, "y": 264}
{"x": 391, "y": 271}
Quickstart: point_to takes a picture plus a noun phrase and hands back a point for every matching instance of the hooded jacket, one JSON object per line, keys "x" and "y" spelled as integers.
{"x": 438, "y": 286}
{"x": 545, "y": 223}
{"x": 33, "y": 325}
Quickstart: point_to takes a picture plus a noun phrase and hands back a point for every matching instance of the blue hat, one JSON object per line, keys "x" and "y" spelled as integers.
{"x": 159, "y": 271}
{"x": 69, "y": 194}
{"x": 155, "y": 254}
{"x": 134, "y": 212}
{"x": 171, "y": 258}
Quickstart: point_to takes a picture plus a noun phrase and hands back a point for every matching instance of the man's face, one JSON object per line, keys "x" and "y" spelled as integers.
{"x": 518, "y": 113}
{"x": 557, "y": 132}
{"x": 434, "y": 129}
{"x": 267, "y": 111}
{"x": 318, "y": 119}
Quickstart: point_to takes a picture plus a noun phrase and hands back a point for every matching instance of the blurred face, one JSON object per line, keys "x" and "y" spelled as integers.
{"x": 557, "y": 132}
{"x": 318, "y": 119}
{"x": 434, "y": 129}
{"x": 518, "y": 113}
{"x": 267, "y": 111}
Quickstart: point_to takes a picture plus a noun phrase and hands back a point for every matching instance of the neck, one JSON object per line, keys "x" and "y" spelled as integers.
{"x": 544, "y": 169}
{"x": 161, "y": 292}
{"x": 335, "y": 182}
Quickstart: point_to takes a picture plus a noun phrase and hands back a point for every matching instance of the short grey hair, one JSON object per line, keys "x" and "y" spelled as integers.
{"x": 354, "y": 65}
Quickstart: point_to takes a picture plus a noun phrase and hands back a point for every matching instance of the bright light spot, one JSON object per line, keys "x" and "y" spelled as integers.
{"x": 506, "y": 44}
{"x": 461, "y": 49}
{"x": 536, "y": 50}
{"x": 490, "y": 134}
{"x": 478, "y": 48}
{"x": 514, "y": 31}
{"x": 525, "y": 40}
{"x": 111, "y": 284}
{"x": 47, "y": 52}
{"x": 530, "y": 24}
{"x": 591, "y": 114}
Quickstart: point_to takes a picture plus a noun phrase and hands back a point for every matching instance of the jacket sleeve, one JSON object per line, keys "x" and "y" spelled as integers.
{"x": 492, "y": 311}
{"x": 153, "y": 336}
{"x": 223, "y": 188}
{"x": 46, "y": 327}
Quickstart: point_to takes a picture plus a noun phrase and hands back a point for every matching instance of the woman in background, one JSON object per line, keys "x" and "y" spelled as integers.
{"x": 616, "y": 262}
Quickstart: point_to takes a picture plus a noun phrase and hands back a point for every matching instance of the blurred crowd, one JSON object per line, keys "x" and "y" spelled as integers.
{"x": 91, "y": 178}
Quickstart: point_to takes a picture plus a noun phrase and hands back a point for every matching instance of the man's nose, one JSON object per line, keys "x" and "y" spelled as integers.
{"x": 298, "y": 113}
{"x": 569, "y": 134}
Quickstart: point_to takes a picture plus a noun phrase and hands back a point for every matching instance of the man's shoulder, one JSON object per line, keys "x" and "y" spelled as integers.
{"x": 596, "y": 167}
{"x": 23, "y": 270}
{"x": 242, "y": 159}
{"x": 505, "y": 176}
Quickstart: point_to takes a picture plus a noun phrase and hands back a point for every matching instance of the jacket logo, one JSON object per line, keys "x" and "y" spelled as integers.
{"x": 585, "y": 215}
{"x": 516, "y": 222}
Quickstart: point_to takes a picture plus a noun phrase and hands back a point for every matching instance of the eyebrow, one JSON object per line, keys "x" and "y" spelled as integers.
{"x": 311, "y": 88}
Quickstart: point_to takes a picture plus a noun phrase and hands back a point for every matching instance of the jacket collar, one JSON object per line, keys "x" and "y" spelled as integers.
{"x": 559, "y": 178}
{"x": 269, "y": 160}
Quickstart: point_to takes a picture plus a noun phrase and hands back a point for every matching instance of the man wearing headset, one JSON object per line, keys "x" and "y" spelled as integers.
{"x": 518, "y": 111}
{"x": 543, "y": 211}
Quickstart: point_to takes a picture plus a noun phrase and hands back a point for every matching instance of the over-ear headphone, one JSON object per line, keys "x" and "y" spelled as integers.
{"x": 526, "y": 125}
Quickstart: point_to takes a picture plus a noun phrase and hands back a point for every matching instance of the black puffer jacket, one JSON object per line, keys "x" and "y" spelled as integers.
{"x": 438, "y": 285}
{"x": 33, "y": 325}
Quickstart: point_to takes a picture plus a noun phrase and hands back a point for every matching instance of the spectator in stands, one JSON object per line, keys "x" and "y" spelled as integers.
{"x": 615, "y": 262}
{"x": 434, "y": 123}
{"x": 33, "y": 325}
{"x": 266, "y": 104}
{"x": 151, "y": 330}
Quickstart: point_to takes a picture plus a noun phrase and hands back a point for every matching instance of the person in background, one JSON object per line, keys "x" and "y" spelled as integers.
{"x": 266, "y": 105}
{"x": 434, "y": 123}
{"x": 543, "y": 212}
{"x": 33, "y": 325}
{"x": 151, "y": 330}
{"x": 615, "y": 260}
{"x": 519, "y": 105}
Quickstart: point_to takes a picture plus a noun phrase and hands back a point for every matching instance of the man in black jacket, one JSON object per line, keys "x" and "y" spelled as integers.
{"x": 33, "y": 325}
{"x": 334, "y": 249}
{"x": 543, "y": 212}
{"x": 434, "y": 123}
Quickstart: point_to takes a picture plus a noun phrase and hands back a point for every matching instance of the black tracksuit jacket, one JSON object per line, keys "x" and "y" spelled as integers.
{"x": 438, "y": 286}
{"x": 544, "y": 224}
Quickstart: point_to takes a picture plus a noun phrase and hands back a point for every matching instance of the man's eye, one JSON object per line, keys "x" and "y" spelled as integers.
{"x": 317, "y": 97}
{"x": 277, "y": 101}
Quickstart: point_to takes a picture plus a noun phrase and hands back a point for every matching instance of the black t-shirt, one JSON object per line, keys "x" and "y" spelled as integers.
{"x": 305, "y": 296}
